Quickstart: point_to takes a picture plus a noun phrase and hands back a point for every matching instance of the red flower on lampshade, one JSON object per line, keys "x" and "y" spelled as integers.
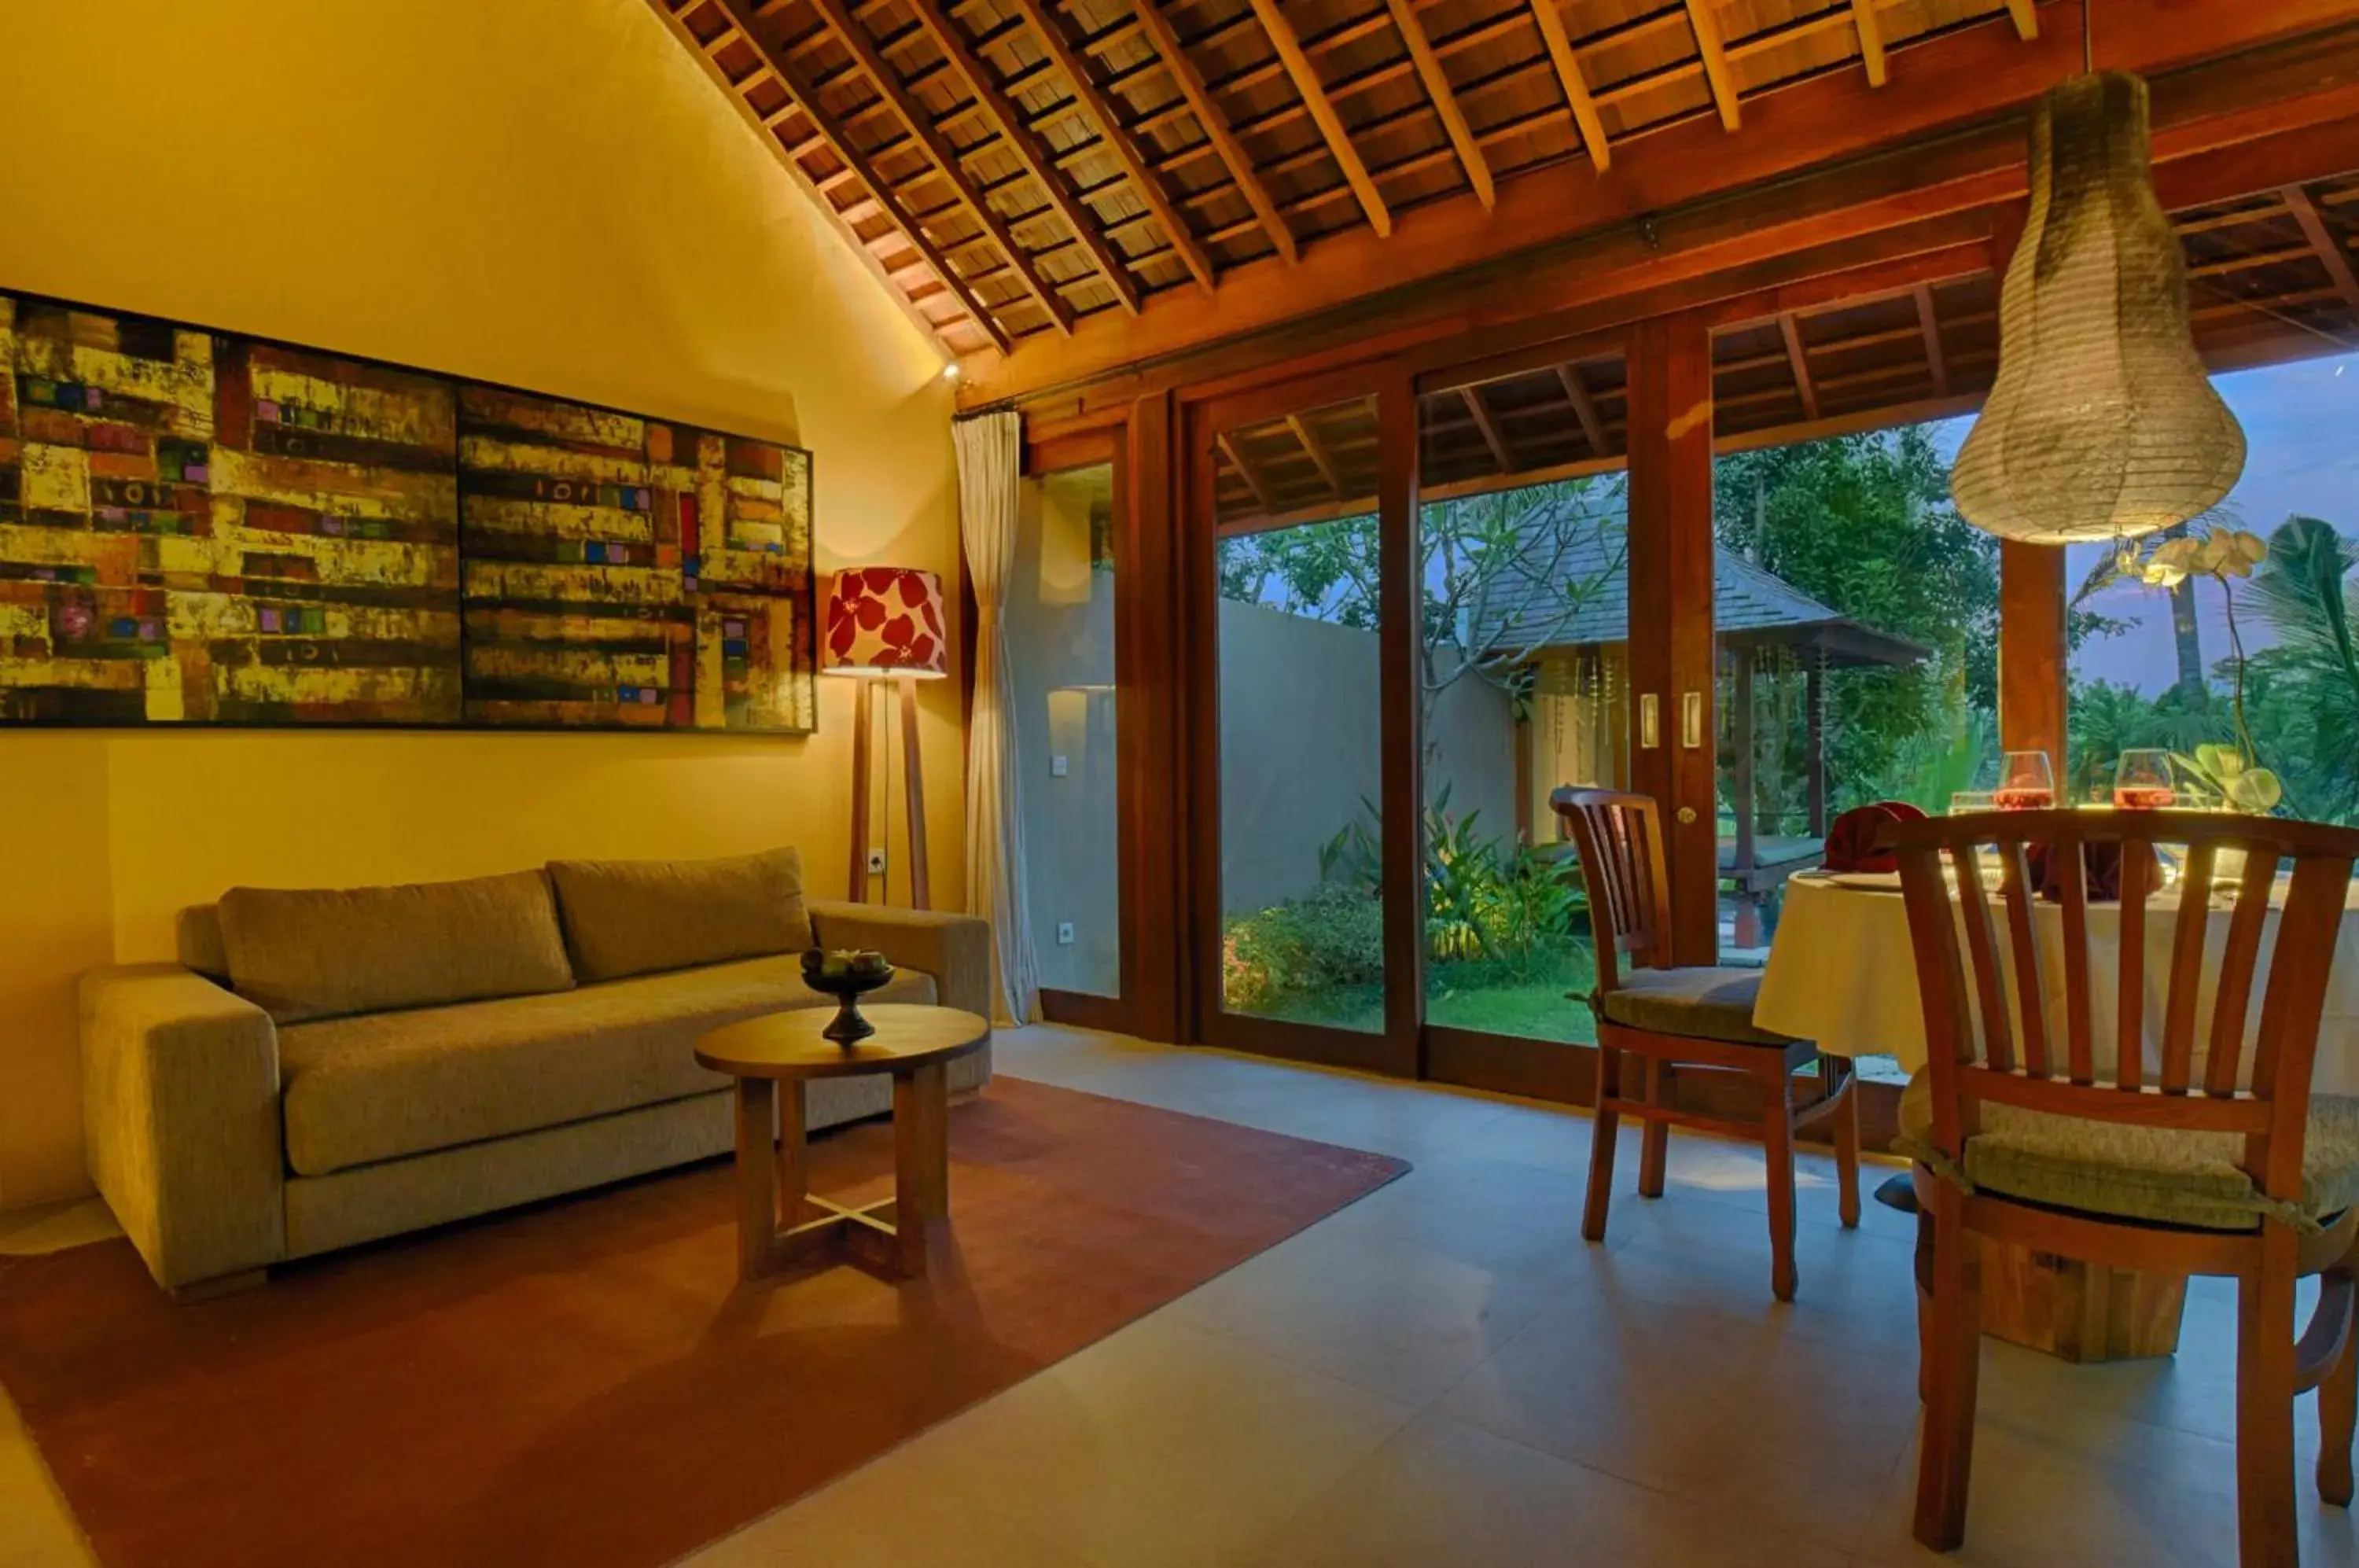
{"x": 886, "y": 620}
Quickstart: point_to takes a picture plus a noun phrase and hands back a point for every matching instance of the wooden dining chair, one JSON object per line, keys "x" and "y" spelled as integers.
{"x": 1695, "y": 1022}
{"x": 2207, "y": 1154}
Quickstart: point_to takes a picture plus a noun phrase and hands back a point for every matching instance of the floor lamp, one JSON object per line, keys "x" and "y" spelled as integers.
{"x": 885, "y": 625}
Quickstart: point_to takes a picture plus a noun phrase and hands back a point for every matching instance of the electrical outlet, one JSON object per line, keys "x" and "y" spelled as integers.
{"x": 1064, "y": 933}
{"x": 876, "y": 863}
{"x": 1059, "y": 767}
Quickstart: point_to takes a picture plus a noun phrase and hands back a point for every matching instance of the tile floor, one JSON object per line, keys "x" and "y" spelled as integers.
{"x": 1445, "y": 1374}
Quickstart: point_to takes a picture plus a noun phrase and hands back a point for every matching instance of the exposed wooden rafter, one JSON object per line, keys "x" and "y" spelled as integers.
{"x": 1235, "y": 452}
{"x": 2322, "y": 240}
{"x": 1799, "y": 357}
{"x": 946, "y": 157}
{"x": 1445, "y": 102}
{"x": 1929, "y": 328}
{"x": 1501, "y": 452}
{"x": 1117, "y": 137}
{"x": 1319, "y": 454}
{"x": 1709, "y": 49}
{"x": 1584, "y": 408}
{"x": 1871, "y": 39}
{"x": 838, "y": 142}
{"x": 1322, "y": 113}
{"x": 1217, "y": 129}
{"x": 2026, "y": 17}
{"x": 1006, "y": 119}
{"x": 1567, "y": 65}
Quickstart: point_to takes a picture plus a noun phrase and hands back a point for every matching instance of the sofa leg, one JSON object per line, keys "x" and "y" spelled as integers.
{"x": 226, "y": 1285}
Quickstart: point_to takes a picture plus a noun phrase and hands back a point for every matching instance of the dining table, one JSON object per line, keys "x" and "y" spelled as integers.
{"x": 1841, "y": 974}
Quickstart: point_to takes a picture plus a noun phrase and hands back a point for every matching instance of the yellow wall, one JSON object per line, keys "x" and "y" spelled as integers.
{"x": 545, "y": 192}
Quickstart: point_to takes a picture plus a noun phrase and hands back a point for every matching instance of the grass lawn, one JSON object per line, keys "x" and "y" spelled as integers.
{"x": 1462, "y": 995}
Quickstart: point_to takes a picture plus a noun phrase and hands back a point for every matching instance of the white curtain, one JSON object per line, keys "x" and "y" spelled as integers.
{"x": 990, "y": 464}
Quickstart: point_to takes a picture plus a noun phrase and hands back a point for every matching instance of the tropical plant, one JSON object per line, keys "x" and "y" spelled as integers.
{"x": 2302, "y": 593}
{"x": 2232, "y": 773}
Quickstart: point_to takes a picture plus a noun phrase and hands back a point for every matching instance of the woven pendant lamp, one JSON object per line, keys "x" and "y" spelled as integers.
{"x": 2103, "y": 423}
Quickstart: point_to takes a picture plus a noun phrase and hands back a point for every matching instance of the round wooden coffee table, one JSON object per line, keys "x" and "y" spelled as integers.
{"x": 779, "y": 1222}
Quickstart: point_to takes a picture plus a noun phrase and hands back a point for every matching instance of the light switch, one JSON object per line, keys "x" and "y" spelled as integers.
{"x": 1059, "y": 767}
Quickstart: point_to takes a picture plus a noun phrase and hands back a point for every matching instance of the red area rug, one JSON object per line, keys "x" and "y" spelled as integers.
{"x": 585, "y": 1382}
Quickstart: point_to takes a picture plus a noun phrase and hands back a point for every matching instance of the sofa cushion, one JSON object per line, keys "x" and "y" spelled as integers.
{"x": 637, "y": 917}
{"x": 1699, "y": 1002}
{"x": 2163, "y": 1174}
{"x": 317, "y": 953}
{"x": 365, "y": 1089}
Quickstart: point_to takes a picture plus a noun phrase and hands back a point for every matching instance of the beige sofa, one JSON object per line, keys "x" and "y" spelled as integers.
{"x": 322, "y": 1069}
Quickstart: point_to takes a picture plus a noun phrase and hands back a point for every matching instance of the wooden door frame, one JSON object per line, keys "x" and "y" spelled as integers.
{"x": 1395, "y": 1050}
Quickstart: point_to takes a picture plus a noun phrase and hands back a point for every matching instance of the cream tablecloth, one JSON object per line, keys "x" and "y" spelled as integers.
{"x": 1841, "y": 974}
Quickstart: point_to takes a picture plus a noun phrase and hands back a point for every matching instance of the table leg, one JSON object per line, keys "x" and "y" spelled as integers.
{"x": 794, "y": 1166}
{"x": 921, "y": 1159}
{"x": 757, "y": 1176}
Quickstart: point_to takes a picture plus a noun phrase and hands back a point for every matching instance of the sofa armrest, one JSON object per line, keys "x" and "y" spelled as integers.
{"x": 954, "y": 949}
{"x": 180, "y": 1108}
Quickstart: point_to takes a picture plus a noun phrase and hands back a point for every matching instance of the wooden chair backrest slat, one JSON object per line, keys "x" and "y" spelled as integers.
{"x": 2072, "y": 882}
{"x": 1620, "y": 840}
{"x": 2254, "y": 1082}
{"x": 2192, "y": 925}
{"x": 2015, "y": 883}
{"x": 2233, "y": 995}
{"x": 2130, "y": 995}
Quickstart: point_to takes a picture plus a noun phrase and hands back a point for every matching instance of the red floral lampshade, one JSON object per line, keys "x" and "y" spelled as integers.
{"x": 886, "y": 620}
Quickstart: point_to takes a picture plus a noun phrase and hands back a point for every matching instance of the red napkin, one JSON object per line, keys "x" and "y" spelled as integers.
{"x": 1850, "y": 837}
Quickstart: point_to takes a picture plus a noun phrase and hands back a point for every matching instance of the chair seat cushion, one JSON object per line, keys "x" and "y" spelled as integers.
{"x": 1700, "y": 1002}
{"x": 2159, "y": 1174}
{"x": 385, "y": 1085}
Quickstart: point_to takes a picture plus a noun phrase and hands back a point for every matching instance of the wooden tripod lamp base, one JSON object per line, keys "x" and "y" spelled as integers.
{"x": 885, "y": 625}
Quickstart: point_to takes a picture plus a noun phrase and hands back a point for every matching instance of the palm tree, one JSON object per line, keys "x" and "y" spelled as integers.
{"x": 2303, "y": 592}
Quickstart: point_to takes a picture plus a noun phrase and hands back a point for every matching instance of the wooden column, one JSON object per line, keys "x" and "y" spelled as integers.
{"x": 2031, "y": 652}
{"x": 1152, "y": 726}
{"x": 1670, "y": 612}
{"x": 1399, "y": 628}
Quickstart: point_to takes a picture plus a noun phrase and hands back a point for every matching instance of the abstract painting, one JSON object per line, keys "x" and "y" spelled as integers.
{"x": 198, "y": 528}
{"x": 622, "y": 572}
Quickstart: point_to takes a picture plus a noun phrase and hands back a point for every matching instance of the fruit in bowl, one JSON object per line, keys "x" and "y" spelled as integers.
{"x": 844, "y": 974}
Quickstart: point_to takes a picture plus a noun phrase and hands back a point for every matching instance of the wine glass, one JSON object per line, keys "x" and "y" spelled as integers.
{"x": 2142, "y": 781}
{"x": 2027, "y": 782}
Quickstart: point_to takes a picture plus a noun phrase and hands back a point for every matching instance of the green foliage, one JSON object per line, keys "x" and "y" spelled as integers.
{"x": 1331, "y": 937}
{"x": 2221, "y": 773}
{"x": 2303, "y": 695}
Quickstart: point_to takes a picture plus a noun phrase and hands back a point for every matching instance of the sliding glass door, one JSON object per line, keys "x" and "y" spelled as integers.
{"x": 1296, "y": 849}
{"x": 1523, "y": 687}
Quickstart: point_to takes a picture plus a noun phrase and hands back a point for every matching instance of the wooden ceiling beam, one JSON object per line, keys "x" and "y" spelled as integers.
{"x": 1193, "y": 90}
{"x": 1235, "y": 452}
{"x": 1584, "y": 408}
{"x": 1929, "y": 326}
{"x": 1318, "y": 451}
{"x": 2025, "y": 14}
{"x": 1798, "y": 358}
{"x": 1323, "y": 112}
{"x": 1871, "y": 39}
{"x": 1480, "y": 411}
{"x": 1445, "y": 102}
{"x": 1706, "y": 27}
{"x": 1567, "y": 63}
{"x": 1117, "y": 139}
{"x": 2322, "y": 241}
{"x": 790, "y": 76}
{"x": 854, "y": 36}
{"x": 1030, "y": 150}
